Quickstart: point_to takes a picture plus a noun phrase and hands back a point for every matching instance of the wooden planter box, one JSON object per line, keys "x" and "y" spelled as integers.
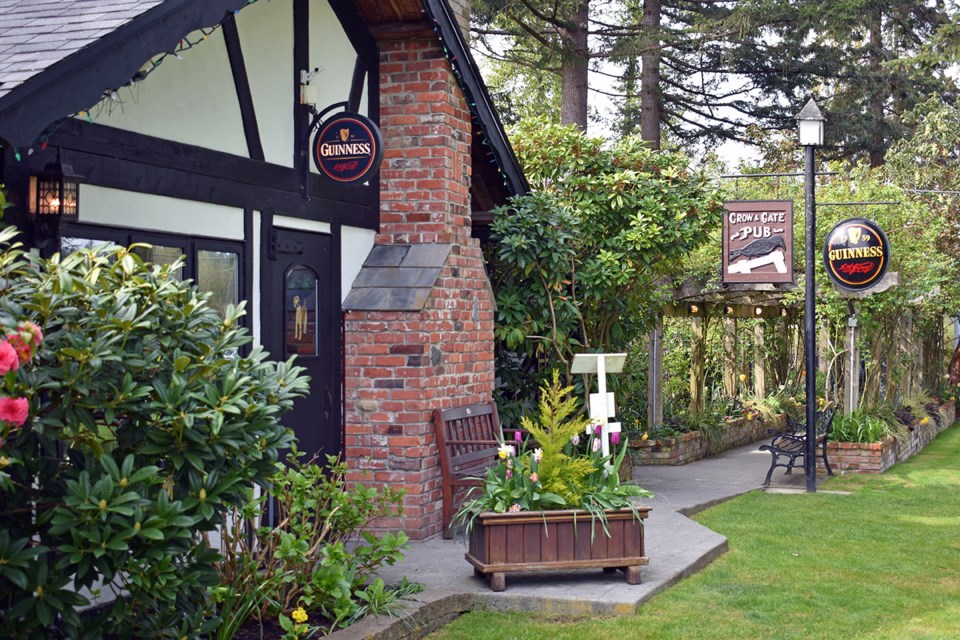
{"x": 502, "y": 543}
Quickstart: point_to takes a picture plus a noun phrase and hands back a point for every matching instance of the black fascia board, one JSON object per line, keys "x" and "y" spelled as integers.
{"x": 477, "y": 95}
{"x": 78, "y": 81}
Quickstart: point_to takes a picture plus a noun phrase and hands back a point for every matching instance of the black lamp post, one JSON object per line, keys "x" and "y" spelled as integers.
{"x": 810, "y": 122}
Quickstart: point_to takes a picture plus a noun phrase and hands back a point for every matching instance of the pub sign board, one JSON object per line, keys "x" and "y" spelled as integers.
{"x": 758, "y": 242}
{"x": 348, "y": 148}
{"x": 856, "y": 254}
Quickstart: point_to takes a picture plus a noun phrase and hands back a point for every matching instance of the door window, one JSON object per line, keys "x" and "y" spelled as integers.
{"x": 300, "y": 311}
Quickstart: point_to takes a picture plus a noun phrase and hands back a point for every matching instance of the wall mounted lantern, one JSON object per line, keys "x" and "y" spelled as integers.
{"x": 54, "y": 197}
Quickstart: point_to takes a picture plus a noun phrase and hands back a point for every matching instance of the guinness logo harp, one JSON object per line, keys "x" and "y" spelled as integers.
{"x": 856, "y": 254}
{"x": 348, "y": 148}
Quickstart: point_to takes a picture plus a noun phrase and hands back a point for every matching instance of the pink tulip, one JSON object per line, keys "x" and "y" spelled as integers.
{"x": 597, "y": 430}
{"x": 615, "y": 437}
{"x": 517, "y": 436}
{"x": 596, "y": 445}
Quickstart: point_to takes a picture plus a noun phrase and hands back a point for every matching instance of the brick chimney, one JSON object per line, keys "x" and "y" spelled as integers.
{"x": 419, "y": 318}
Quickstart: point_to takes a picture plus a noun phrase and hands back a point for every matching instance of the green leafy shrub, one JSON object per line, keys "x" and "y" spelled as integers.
{"x": 317, "y": 559}
{"x": 861, "y": 426}
{"x": 145, "y": 427}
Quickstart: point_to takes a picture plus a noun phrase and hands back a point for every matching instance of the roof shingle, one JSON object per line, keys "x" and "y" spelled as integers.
{"x": 36, "y": 34}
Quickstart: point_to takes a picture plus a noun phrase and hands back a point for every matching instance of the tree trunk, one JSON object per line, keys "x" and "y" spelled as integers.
{"x": 730, "y": 357}
{"x": 877, "y": 145}
{"x": 574, "y": 68}
{"x": 698, "y": 372}
{"x": 650, "y": 75}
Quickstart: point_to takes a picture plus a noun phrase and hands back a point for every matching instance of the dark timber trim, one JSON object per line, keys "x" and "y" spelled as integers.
{"x": 78, "y": 81}
{"x": 248, "y": 114}
{"x": 253, "y": 320}
{"x": 199, "y": 164}
{"x": 301, "y": 62}
{"x": 476, "y": 93}
{"x": 356, "y": 85}
{"x": 132, "y": 176}
{"x": 355, "y": 26}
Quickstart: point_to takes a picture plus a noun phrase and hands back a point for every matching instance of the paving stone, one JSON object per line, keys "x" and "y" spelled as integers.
{"x": 677, "y": 547}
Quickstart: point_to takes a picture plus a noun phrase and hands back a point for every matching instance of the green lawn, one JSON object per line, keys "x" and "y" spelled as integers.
{"x": 883, "y": 562}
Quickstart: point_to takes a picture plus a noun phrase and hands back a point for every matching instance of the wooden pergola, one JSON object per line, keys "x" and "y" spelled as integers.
{"x": 729, "y": 302}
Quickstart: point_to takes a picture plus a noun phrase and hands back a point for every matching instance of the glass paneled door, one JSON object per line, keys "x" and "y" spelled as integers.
{"x": 301, "y": 317}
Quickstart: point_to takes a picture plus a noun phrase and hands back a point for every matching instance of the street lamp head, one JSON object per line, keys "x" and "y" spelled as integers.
{"x": 810, "y": 122}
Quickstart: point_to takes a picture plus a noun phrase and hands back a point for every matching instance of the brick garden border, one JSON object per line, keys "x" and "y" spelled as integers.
{"x": 877, "y": 457}
{"x": 692, "y": 446}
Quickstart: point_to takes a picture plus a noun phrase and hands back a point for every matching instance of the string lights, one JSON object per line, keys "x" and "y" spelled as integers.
{"x": 471, "y": 100}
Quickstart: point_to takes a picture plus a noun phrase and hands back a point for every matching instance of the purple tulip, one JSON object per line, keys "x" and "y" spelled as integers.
{"x": 615, "y": 438}
{"x": 597, "y": 430}
{"x": 517, "y": 436}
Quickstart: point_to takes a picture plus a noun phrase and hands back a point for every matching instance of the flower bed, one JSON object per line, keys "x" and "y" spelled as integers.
{"x": 692, "y": 446}
{"x": 877, "y": 457}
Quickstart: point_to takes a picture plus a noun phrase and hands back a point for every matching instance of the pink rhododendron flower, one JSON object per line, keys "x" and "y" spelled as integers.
{"x": 9, "y": 360}
{"x": 14, "y": 410}
{"x": 23, "y": 348}
{"x": 34, "y": 331}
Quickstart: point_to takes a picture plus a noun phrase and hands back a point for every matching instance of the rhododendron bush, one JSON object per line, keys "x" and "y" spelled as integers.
{"x": 130, "y": 426}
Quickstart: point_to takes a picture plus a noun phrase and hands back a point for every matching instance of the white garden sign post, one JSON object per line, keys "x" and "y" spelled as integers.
{"x": 602, "y": 405}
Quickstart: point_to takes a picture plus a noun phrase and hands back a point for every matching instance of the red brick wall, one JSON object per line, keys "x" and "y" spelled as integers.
{"x": 402, "y": 365}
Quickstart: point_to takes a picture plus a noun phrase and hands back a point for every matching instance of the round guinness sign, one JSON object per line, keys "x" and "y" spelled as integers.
{"x": 856, "y": 254}
{"x": 348, "y": 148}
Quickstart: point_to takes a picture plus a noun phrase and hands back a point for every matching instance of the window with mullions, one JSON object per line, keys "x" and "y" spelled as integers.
{"x": 215, "y": 265}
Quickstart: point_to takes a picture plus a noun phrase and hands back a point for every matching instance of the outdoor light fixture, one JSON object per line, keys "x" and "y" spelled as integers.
{"x": 54, "y": 197}
{"x": 810, "y": 135}
{"x": 728, "y": 311}
{"x": 810, "y": 122}
{"x": 758, "y": 311}
{"x": 692, "y": 309}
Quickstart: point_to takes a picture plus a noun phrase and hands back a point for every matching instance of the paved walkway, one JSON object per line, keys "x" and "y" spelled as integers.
{"x": 677, "y": 547}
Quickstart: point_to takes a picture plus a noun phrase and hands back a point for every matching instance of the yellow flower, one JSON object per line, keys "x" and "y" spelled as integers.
{"x": 743, "y": 377}
{"x": 925, "y": 421}
{"x": 645, "y": 436}
{"x": 505, "y": 451}
{"x": 299, "y": 615}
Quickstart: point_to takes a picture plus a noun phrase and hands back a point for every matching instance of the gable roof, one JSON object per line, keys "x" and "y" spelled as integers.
{"x": 52, "y": 66}
{"x": 58, "y": 58}
{"x": 37, "y": 34}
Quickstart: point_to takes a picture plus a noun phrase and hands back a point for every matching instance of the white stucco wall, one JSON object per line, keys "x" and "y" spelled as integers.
{"x": 266, "y": 37}
{"x": 131, "y": 210}
{"x": 355, "y": 246}
{"x": 190, "y": 100}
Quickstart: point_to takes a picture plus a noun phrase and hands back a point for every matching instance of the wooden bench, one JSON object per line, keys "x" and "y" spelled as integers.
{"x": 468, "y": 438}
{"x": 792, "y": 443}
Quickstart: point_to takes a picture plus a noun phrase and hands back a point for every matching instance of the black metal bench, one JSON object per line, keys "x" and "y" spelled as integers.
{"x": 792, "y": 443}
